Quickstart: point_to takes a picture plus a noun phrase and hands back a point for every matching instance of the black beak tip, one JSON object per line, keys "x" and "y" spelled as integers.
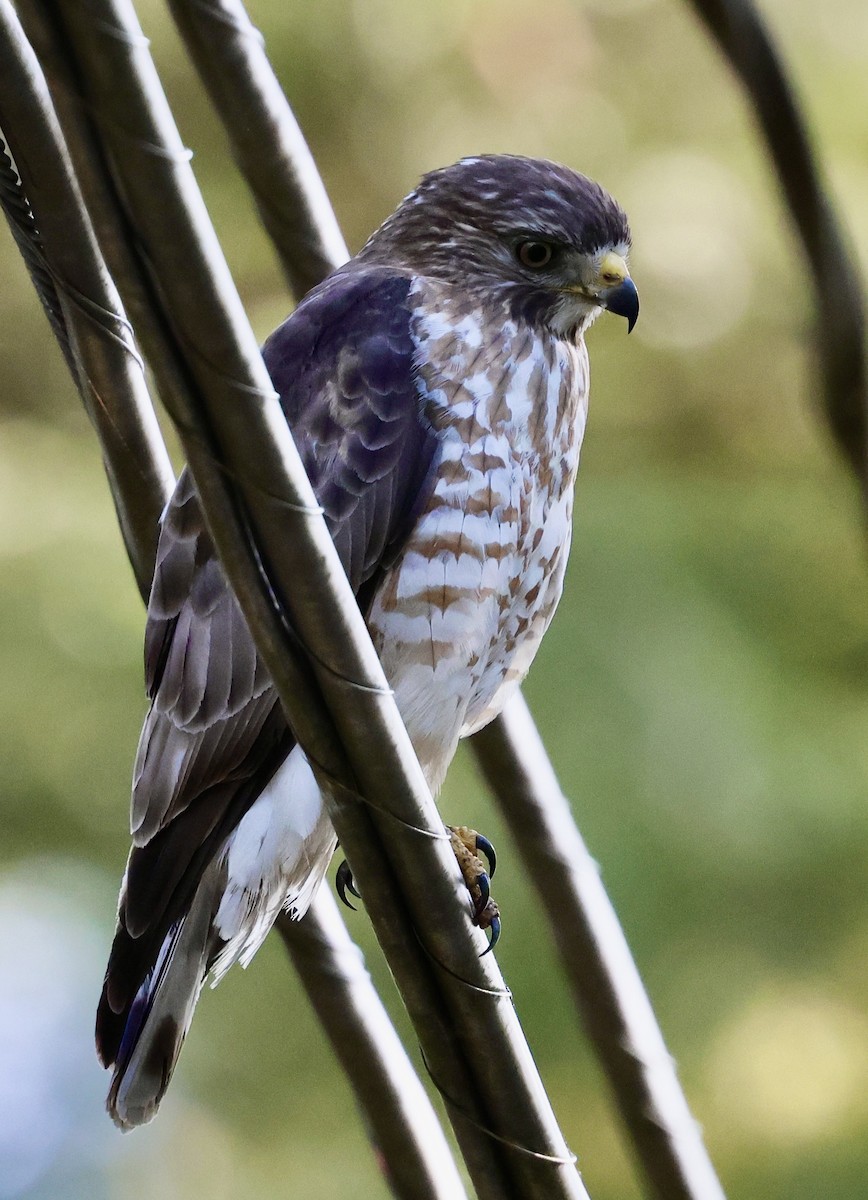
{"x": 623, "y": 300}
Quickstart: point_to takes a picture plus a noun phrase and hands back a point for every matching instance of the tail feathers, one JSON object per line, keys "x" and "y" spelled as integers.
{"x": 160, "y": 1014}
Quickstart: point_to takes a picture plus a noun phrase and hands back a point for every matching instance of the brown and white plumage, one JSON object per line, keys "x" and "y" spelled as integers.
{"x": 437, "y": 389}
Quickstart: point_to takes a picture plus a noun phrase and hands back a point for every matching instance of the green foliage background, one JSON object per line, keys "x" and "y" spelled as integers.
{"x": 704, "y": 691}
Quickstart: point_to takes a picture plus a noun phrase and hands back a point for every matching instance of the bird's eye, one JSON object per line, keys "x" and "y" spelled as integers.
{"x": 535, "y": 255}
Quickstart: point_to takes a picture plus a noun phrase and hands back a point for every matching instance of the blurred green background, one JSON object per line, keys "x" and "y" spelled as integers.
{"x": 703, "y": 693}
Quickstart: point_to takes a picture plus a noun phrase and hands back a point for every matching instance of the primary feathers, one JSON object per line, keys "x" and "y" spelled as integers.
{"x": 436, "y": 387}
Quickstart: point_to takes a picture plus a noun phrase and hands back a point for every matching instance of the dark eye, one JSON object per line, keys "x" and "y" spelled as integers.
{"x": 534, "y": 255}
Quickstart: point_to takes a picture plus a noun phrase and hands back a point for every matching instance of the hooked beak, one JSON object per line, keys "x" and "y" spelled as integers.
{"x": 623, "y": 300}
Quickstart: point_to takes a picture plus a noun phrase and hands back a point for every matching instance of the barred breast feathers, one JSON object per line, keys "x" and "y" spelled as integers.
{"x": 458, "y": 618}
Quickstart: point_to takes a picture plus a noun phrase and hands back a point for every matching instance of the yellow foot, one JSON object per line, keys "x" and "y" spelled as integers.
{"x": 468, "y": 845}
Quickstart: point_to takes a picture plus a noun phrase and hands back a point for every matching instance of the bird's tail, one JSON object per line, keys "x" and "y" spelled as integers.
{"x": 143, "y": 1039}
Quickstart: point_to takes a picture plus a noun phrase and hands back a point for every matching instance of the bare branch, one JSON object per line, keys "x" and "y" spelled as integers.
{"x": 742, "y": 36}
{"x": 107, "y": 361}
{"x": 606, "y": 983}
{"x": 234, "y": 421}
{"x": 397, "y": 1110}
{"x": 229, "y": 53}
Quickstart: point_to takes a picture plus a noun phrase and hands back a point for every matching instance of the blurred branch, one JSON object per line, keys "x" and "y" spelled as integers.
{"x": 741, "y": 34}
{"x": 248, "y": 474}
{"x": 605, "y": 982}
{"x": 398, "y": 1114}
{"x": 229, "y": 53}
{"x": 22, "y": 225}
{"x": 397, "y": 1110}
{"x": 78, "y": 293}
{"x": 230, "y": 56}
{"x": 106, "y": 212}
{"x": 513, "y": 761}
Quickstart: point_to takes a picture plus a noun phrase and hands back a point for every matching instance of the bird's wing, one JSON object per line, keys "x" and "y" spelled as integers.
{"x": 344, "y": 367}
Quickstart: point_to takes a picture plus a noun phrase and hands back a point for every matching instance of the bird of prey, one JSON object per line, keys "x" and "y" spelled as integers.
{"x": 437, "y": 389}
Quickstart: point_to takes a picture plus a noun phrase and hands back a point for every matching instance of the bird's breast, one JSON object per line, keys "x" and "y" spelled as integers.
{"x": 477, "y": 583}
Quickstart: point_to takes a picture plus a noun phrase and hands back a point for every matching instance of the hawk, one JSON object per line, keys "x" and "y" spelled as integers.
{"x": 437, "y": 389}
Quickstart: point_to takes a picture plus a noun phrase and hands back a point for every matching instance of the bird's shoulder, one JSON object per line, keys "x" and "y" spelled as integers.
{"x": 346, "y": 366}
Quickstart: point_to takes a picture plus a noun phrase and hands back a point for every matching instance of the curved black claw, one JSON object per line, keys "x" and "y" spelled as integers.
{"x": 495, "y": 936}
{"x": 484, "y": 847}
{"x": 344, "y": 883}
{"x": 467, "y": 845}
{"x": 484, "y": 885}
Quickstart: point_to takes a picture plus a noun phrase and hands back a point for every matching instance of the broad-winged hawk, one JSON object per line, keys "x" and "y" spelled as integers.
{"x": 437, "y": 389}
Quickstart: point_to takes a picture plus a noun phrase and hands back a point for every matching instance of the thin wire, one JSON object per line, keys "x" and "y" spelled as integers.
{"x": 244, "y": 28}
{"x": 300, "y": 510}
{"x": 22, "y": 223}
{"x": 370, "y": 689}
{"x": 346, "y": 795}
{"x": 46, "y": 278}
{"x": 100, "y": 316}
{"x": 154, "y": 149}
{"x": 126, "y": 36}
{"x": 497, "y": 993}
{"x": 556, "y": 1160}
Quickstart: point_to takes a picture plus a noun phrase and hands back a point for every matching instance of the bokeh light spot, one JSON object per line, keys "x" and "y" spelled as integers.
{"x": 690, "y": 219}
{"x": 791, "y": 1067}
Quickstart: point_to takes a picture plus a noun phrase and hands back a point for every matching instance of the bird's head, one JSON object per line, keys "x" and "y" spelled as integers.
{"x": 549, "y": 242}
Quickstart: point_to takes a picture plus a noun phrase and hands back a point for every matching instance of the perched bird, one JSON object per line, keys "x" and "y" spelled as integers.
{"x": 437, "y": 388}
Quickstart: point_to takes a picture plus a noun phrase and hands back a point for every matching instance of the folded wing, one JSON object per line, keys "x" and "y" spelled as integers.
{"x": 344, "y": 366}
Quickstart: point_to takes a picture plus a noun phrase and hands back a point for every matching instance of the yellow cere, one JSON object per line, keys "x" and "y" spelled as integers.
{"x": 613, "y": 269}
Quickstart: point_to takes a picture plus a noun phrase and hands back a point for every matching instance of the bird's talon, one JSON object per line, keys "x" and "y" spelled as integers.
{"x": 495, "y": 936}
{"x": 484, "y": 885}
{"x": 485, "y": 848}
{"x": 467, "y": 845}
{"x": 344, "y": 883}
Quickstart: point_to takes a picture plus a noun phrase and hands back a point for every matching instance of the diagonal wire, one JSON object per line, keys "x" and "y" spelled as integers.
{"x": 603, "y": 977}
{"x": 231, "y": 59}
{"x": 230, "y": 55}
{"x": 22, "y": 225}
{"x": 744, "y": 39}
{"x": 399, "y": 1115}
{"x": 79, "y": 296}
{"x": 251, "y": 443}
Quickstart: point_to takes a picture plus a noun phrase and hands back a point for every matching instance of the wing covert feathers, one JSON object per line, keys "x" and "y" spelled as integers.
{"x": 344, "y": 365}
